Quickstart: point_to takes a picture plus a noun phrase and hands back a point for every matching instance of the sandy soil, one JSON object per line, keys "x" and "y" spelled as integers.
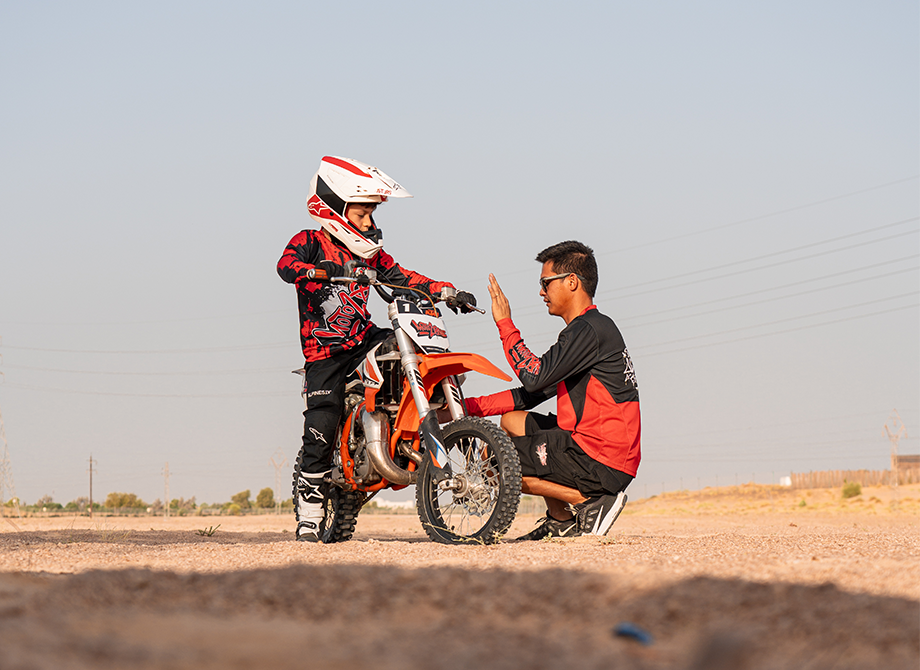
{"x": 734, "y": 578}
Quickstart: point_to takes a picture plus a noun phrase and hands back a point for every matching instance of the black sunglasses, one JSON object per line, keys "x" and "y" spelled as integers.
{"x": 545, "y": 281}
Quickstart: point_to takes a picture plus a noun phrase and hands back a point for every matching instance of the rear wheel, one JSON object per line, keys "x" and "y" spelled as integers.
{"x": 342, "y": 509}
{"x": 480, "y": 500}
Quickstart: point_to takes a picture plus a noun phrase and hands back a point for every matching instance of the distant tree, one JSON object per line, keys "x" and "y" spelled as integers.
{"x": 241, "y": 499}
{"x": 233, "y": 509}
{"x": 265, "y": 499}
{"x": 124, "y": 501}
{"x": 44, "y": 501}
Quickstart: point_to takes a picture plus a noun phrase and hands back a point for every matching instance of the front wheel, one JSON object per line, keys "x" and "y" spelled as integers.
{"x": 479, "y": 501}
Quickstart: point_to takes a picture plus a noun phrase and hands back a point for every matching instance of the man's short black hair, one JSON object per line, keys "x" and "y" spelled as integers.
{"x": 572, "y": 256}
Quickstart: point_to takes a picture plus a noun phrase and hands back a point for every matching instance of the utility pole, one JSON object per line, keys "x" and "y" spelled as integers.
{"x": 7, "y": 489}
{"x": 166, "y": 480}
{"x": 282, "y": 462}
{"x": 895, "y": 430}
{"x": 91, "y": 470}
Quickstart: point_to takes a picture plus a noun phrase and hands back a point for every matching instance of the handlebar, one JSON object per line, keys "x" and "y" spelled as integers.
{"x": 360, "y": 273}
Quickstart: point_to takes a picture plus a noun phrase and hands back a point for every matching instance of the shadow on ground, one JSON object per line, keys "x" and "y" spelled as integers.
{"x": 348, "y": 616}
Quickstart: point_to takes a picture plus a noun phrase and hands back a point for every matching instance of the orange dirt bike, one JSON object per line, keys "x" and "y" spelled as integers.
{"x": 466, "y": 472}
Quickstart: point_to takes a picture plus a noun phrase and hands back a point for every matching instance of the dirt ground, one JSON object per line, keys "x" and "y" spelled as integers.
{"x": 749, "y": 577}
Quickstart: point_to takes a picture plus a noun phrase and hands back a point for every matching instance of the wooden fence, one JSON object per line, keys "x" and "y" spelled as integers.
{"x": 831, "y": 479}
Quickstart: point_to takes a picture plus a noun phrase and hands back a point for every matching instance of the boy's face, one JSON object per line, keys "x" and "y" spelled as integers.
{"x": 360, "y": 213}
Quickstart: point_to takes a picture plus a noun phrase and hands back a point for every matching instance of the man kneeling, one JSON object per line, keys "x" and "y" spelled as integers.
{"x": 582, "y": 460}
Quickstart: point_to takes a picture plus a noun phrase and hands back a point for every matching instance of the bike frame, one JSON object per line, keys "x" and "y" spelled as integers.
{"x": 415, "y": 421}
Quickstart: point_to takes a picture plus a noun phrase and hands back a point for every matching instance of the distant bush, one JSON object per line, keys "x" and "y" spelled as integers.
{"x": 233, "y": 509}
{"x": 851, "y": 489}
{"x": 265, "y": 499}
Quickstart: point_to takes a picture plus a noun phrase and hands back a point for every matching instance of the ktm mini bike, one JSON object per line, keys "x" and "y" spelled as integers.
{"x": 466, "y": 472}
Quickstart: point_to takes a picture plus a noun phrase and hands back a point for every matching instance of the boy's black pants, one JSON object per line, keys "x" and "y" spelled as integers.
{"x": 324, "y": 384}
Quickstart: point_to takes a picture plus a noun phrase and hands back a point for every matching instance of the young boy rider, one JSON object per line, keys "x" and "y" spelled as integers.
{"x": 335, "y": 327}
{"x": 581, "y": 461}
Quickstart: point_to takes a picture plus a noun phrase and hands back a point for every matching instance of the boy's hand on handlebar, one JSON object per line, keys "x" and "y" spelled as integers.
{"x": 501, "y": 308}
{"x": 466, "y": 301}
{"x": 326, "y": 270}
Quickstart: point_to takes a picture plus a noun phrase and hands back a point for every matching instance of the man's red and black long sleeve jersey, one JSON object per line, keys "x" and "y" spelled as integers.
{"x": 589, "y": 371}
{"x": 334, "y": 317}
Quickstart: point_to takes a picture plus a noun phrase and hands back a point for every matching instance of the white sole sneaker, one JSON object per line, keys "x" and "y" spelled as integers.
{"x": 598, "y": 517}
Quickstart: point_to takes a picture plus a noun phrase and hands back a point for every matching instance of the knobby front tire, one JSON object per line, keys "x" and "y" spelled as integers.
{"x": 481, "y": 456}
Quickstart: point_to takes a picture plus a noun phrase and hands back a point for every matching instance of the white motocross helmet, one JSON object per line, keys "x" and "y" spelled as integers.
{"x": 340, "y": 181}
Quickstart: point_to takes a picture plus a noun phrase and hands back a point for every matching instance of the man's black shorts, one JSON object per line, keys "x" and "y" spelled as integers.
{"x": 550, "y": 453}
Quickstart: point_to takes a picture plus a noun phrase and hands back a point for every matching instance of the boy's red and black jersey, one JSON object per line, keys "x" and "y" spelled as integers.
{"x": 334, "y": 317}
{"x": 589, "y": 371}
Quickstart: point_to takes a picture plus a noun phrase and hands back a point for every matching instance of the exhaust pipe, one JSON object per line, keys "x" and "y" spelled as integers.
{"x": 377, "y": 440}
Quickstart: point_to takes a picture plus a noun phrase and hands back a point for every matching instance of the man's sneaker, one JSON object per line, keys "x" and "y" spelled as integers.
{"x": 551, "y": 528}
{"x": 596, "y": 515}
{"x": 309, "y": 505}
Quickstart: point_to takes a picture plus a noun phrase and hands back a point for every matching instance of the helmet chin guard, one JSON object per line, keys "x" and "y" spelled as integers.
{"x": 340, "y": 182}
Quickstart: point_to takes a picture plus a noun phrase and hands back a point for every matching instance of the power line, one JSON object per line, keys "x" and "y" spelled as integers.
{"x": 772, "y": 254}
{"x": 786, "y": 320}
{"x": 738, "y": 222}
{"x": 209, "y": 350}
{"x": 789, "y": 210}
{"x": 777, "y": 288}
{"x": 264, "y": 394}
{"x": 142, "y": 323}
{"x": 202, "y": 373}
{"x": 745, "y": 271}
{"x": 783, "y": 332}
{"x": 773, "y": 299}
{"x": 609, "y": 294}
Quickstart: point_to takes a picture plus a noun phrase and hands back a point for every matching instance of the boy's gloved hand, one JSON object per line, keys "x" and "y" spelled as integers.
{"x": 325, "y": 270}
{"x": 462, "y": 301}
{"x": 465, "y": 301}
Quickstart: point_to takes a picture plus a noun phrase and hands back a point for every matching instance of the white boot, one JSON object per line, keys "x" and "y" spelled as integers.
{"x": 309, "y": 506}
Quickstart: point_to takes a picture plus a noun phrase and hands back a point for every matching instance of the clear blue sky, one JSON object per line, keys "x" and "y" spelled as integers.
{"x": 746, "y": 173}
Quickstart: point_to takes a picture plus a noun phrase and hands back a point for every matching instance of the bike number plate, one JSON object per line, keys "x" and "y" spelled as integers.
{"x": 428, "y": 332}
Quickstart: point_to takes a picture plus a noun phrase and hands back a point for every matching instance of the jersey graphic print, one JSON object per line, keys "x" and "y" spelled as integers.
{"x": 523, "y": 360}
{"x": 629, "y": 372}
{"x": 345, "y": 315}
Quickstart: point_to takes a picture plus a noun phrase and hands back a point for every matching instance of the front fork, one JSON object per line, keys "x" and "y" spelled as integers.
{"x": 429, "y": 429}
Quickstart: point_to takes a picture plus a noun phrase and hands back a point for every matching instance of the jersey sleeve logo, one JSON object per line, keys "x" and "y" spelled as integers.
{"x": 523, "y": 359}
{"x": 629, "y": 372}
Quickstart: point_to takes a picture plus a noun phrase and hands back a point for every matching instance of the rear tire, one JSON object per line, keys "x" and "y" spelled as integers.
{"x": 342, "y": 509}
{"x": 482, "y": 457}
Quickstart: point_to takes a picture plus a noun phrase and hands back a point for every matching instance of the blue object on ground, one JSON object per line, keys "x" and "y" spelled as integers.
{"x": 631, "y": 630}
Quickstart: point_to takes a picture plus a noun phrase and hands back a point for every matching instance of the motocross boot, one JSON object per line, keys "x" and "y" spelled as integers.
{"x": 309, "y": 505}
